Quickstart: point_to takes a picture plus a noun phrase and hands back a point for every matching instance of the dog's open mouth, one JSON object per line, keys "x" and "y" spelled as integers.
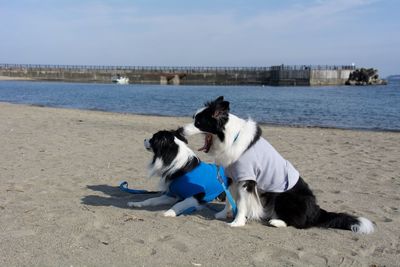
{"x": 208, "y": 141}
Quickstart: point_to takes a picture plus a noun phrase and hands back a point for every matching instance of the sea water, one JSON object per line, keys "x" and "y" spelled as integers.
{"x": 369, "y": 107}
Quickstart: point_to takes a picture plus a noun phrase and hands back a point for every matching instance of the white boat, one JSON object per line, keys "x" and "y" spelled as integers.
{"x": 120, "y": 79}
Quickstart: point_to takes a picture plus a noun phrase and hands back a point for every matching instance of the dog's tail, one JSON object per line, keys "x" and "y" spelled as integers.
{"x": 344, "y": 221}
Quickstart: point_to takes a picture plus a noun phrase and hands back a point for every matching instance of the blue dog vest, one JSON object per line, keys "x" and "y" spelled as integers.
{"x": 202, "y": 179}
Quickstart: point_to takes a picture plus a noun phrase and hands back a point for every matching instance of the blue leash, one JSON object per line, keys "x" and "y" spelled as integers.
{"x": 227, "y": 193}
{"x": 124, "y": 187}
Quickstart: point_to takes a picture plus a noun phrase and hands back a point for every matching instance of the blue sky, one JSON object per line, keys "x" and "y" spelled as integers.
{"x": 202, "y": 33}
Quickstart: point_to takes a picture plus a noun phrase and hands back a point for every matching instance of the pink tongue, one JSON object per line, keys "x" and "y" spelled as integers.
{"x": 207, "y": 143}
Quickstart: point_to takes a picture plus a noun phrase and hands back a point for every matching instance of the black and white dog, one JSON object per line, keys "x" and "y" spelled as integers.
{"x": 185, "y": 181}
{"x": 268, "y": 187}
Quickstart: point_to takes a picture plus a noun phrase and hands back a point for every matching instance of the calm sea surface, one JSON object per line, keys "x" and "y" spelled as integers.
{"x": 372, "y": 108}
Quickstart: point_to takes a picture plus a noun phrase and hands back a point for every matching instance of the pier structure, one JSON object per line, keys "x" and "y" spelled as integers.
{"x": 282, "y": 75}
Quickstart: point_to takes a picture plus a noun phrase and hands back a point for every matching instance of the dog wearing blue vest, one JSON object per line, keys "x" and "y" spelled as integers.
{"x": 186, "y": 182}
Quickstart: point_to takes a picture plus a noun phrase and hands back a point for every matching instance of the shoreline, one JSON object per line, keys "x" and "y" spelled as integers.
{"x": 60, "y": 205}
{"x": 169, "y": 116}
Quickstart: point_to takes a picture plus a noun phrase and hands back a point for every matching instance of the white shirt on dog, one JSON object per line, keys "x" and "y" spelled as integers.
{"x": 263, "y": 164}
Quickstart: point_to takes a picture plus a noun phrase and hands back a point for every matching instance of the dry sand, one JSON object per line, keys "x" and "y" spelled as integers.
{"x": 59, "y": 205}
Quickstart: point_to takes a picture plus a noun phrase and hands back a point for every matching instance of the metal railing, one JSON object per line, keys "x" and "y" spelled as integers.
{"x": 313, "y": 67}
{"x": 134, "y": 68}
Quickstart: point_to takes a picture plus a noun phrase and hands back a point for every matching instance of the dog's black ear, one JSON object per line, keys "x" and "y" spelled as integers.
{"x": 219, "y": 99}
{"x": 214, "y": 102}
{"x": 179, "y": 134}
{"x": 221, "y": 108}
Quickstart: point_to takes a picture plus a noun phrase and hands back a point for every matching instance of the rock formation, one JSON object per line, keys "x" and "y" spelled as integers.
{"x": 365, "y": 77}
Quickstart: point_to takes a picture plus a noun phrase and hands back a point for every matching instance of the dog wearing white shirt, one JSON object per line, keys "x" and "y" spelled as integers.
{"x": 267, "y": 187}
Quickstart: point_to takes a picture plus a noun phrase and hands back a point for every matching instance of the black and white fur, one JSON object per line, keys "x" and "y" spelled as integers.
{"x": 296, "y": 207}
{"x": 171, "y": 159}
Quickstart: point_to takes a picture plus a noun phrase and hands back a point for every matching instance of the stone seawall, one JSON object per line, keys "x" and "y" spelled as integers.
{"x": 329, "y": 77}
{"x": 309, "y": 77}
{"x": 276, "y": 75}
{"x": 145, "y": 76}
{"x": 290, "y": 77}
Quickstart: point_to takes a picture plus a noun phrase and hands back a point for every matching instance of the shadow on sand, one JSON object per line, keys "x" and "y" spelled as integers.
{"x": 117, "y": 198}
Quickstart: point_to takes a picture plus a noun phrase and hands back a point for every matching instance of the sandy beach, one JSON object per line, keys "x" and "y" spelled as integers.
{"x": 60, "y": 206}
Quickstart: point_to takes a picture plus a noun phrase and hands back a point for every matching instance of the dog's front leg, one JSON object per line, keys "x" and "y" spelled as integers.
{"x": 240, "y": 219}
{"x": 156, "y": 201}
{"x": 227, "y": 211}
{"x": 249, "y": 206}
{"x": 241, "y": 199}
{"x": 181, "y": 206}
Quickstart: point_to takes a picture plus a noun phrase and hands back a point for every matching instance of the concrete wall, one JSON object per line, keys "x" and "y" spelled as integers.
{"x": 308, "y": 76}
{"x": 276, "y": 75}
{"x": 288, "y": 77}
{"x": 81, "y": 75}
{"x": 228, "y": 78}
{"x": 144, "y": 77}
{"x": 329, "y": 77}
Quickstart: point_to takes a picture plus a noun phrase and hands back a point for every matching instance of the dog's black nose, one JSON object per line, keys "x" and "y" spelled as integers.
{"x": 147, "y": 144}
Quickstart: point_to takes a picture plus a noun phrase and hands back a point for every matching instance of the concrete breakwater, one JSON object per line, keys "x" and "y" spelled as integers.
{"x": 275, "y": 75}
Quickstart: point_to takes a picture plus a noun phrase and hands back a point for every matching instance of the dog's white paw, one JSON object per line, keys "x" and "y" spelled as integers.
{"x": 135, "y": 204}
{"x": 170, "y": 213}
{"x": 237, "y": 223}
{"x": 277, "y": 223}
